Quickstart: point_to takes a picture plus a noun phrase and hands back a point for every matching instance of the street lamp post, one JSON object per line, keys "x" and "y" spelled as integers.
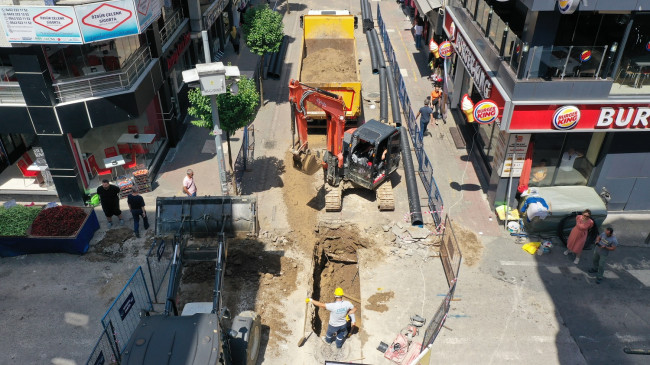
{"x": 212, "y": 80}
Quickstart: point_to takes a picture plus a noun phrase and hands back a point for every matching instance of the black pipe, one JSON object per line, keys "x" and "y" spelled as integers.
{"x": 394, "y": 98}
{"x": 273, "y": 58}
{"x": 383, "y": 96}
{"x": 373, "y": 56}
{"x": 411, "y": 182}
{"x": 364, "y": 12}
{"x": 277, "y": 70}
{"x": 380, "y": 54}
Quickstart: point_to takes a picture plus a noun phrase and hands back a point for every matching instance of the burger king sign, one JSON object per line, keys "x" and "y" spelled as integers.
{"x": 566, "y": 117}
{"x": 445, "y": 49}
{"x": 486, "y": 111}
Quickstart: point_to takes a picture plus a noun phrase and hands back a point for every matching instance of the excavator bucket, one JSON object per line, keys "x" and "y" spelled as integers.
{"x": 306, "y": 163}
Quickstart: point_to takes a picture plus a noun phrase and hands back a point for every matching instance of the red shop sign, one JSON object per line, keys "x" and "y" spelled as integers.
{"x": 585, "y": 117}
{"x": 181, "y": 46}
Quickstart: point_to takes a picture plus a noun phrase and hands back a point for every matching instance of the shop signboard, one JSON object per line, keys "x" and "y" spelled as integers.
{"x": 40, "y": 24}
{"x": 567, "y": 6}
{"x": 486, "y": 111}
{"x": 449, "y": 26}
{"x": 178, "y": 50}
{"x": 473, "y": 66}
{"x": 517, "y": 146}
{"x": 107, "y": 20}
{"x": 148, "y": 11}
{"x": 213, "y": 12}
{"x": 580, "y": 118}
{"x": 445, "y": 49}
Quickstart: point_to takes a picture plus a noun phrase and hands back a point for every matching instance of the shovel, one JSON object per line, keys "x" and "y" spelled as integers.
{"x": 304, "y": 338}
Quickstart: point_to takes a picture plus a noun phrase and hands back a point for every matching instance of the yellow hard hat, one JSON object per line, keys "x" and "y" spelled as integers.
{"x": 338, "y": 292}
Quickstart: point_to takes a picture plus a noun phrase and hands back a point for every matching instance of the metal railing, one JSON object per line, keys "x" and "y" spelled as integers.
{"x": 108, "y": 82}
{"x": 10, "y": 93}
{"x": 172, "y": 21}
{"x": 159, "y": 259}
{"x": 245, "y": 156}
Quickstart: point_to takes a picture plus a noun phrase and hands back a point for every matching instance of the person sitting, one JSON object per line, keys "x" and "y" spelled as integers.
{"x": 539, "y": 172}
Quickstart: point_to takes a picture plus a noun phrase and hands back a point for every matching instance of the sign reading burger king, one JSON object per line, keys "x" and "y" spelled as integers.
{"x": 486, "y": 111}
{"x": 566, "y": 117}
{"x": 445, "y": 49}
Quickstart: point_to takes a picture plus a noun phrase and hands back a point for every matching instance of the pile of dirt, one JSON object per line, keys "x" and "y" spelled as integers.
{"x": 328, "y": 65}
{"x": 470, "y": 246}
{"x": 377, "y": 302}
{"x": 116, "y": 244}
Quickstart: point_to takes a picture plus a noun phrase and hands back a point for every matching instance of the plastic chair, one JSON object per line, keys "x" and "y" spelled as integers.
{"x": 98, "y": 170}
{"x": 94, "y": 61}
{"x": 131, "y": 164}
{"x": 124, "y": 148}
{"x": 22, "y": 165}
{"x": 133, "y": 129}
{"x": 110, "y": 152}
{"x": 138, "y": 148}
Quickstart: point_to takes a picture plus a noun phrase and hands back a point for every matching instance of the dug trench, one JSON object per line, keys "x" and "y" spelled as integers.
{"x": 335, "y": 264}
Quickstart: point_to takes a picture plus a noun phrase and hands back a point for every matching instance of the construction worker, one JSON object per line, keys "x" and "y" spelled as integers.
{"x": 339, "y": 310}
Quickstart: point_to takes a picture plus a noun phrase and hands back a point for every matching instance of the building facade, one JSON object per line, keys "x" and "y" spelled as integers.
{"x": 559, "y": 87}
{"x": 83, "y": 81}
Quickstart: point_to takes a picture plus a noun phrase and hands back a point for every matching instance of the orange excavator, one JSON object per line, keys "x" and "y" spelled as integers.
{"x": 364, "y": 157}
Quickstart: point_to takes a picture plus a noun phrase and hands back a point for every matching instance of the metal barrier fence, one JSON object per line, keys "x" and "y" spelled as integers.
{"x": 104, "y": 351}
{"x": 245, "y": 156}
{"x": 123, "y": 316}
{"x": 158, "y": 261}
{"x": 425, "y": 168}
{"x": 450, "y": 254}
{"x": 438, "y": 320}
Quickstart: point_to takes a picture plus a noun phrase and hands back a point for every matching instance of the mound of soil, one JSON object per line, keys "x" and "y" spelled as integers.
{"x": 328, "y": 65}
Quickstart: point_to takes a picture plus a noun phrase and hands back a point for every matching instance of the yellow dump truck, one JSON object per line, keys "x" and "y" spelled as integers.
{"x": 329, "y": 59}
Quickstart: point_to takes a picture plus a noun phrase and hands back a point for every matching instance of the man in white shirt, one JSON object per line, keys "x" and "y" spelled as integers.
{"x": 189, "y": 187}
{"x": 339, "y": 310}
{"x": 418, "y": 34}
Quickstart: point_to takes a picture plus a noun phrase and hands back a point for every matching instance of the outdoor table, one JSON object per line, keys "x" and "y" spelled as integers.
{"x": 142, "y": 138}
{"x": 89, "y": 70}
{"x": 113, "y": 162}
{"x": 44, "y": 169}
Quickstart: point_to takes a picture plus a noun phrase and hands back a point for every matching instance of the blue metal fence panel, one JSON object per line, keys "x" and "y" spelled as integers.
{"x": 158, "y": 261}
{"x": 123, "y": 316}
{"x": 104, "y": 351}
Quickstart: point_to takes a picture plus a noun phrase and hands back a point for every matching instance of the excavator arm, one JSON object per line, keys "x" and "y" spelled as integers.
{"x": 334, "y": 108}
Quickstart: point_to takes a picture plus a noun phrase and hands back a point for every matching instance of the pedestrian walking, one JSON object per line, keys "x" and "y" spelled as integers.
{"x": 337, "y": 328}
{"x": 427, "y": 113}
{"x": 605, "y": 243}
{"x": 136, "y": 205}
{"x": 109, "y": 195}
{"x": 435, "y": 102}
{"x": 189, "y": 187}
{"x": 418, "y": 28}
{"x": 578, "y": 235}
{"x": 235, "y": 37}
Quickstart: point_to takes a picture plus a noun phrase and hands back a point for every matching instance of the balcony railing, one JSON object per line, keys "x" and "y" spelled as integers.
{"x": 108, "y": 82}
{"x": 172, "y": 21}
{"x": 10, "y": 93}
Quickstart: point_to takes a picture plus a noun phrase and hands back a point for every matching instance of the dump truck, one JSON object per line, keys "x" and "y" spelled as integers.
{"x": 203, "y": 333}
{"x": 329, "y": 60}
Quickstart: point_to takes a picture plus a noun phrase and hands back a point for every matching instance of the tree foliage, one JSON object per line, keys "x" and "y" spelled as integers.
{"x": 235, "y": 111}
{"x": 264, "y": 29}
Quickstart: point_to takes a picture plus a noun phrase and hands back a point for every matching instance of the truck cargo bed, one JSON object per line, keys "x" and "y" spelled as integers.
{"x": 328, "y": 61}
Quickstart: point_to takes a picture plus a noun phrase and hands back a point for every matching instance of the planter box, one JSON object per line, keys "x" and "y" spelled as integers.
{"x": 77, "y": 244}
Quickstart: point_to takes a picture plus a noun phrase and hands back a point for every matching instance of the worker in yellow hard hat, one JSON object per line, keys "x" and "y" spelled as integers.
{"x": 339, "y": 310}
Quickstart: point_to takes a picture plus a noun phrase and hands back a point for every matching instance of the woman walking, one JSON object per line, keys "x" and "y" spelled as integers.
{"x": 578, "y": 236}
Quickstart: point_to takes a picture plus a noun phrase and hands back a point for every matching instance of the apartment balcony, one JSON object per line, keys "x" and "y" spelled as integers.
{"x": 103, "y": 83}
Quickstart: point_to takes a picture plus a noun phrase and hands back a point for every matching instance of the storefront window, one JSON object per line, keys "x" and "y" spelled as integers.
{"x": 563, "y": 159}
{"x": 632, "y": 73}
{"x": 91, "y": 59}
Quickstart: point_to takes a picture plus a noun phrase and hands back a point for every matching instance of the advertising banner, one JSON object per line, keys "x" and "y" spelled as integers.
{"x": 40, "y": 24}
{"x": 107, "y": 20}
{"x": 148, "y": 11}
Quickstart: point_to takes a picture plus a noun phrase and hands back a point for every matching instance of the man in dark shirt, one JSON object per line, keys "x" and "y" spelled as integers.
{"x": 136, "y": 204}
{"x": 109, "y": 196}
{"x": 426, "y": 113}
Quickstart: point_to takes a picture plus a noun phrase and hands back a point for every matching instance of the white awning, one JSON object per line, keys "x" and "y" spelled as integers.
{"x": 425, "y": 6}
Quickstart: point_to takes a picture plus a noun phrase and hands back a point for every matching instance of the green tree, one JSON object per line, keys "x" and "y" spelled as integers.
{"x": 264, "y": 29}
{"x": 235, "y": 111}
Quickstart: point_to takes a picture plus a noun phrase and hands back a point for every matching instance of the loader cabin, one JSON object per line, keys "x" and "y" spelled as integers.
{"x": 372, "y": 152}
